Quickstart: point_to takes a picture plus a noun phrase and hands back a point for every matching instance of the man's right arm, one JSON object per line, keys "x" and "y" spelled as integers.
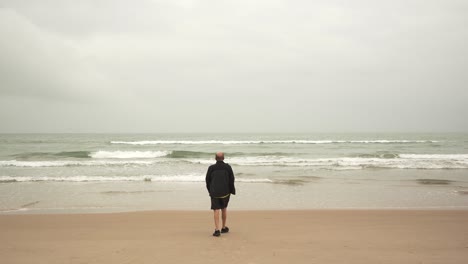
{"x": 208, "y": 179}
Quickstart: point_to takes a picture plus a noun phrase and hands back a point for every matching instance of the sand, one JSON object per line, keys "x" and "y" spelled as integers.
{"x": 313, "y": 236}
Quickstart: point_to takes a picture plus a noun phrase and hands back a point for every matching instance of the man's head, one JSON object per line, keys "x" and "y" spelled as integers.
{"x": 219, "y": 156}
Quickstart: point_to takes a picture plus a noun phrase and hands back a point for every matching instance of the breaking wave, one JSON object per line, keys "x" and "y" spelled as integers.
{"x": 458, "y": 157}
{"x": 363, "y": 161}
{"x": 402, "y": 161}
{"x": 129, "y": 154}
{"x": 101, "y": 154}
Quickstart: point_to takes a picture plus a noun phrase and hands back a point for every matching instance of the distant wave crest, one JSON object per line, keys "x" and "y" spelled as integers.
{"x": 245, "y": 142}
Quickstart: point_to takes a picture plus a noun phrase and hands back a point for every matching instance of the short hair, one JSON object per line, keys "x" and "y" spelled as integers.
{"x": 219, "y": 156}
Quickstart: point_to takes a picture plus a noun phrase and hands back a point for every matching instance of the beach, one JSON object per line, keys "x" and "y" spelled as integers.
{"x": 294, "y": 236}
{"x": 142, "y": 198}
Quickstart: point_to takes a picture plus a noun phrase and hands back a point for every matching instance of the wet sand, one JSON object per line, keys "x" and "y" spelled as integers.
{"x": 309, "y": 236}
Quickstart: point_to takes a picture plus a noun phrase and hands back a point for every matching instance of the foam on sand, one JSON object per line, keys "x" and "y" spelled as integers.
{"x": 145, "y": 178}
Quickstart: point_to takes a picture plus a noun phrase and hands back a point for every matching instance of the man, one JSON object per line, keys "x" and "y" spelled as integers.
{"x": 220, "y": 185}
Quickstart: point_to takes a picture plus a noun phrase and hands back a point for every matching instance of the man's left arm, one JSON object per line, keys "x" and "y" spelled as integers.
{"x": 231, "y": 181}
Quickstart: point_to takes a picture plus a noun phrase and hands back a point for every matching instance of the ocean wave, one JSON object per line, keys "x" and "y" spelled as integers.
{"x": 142, "y": 158}
{"x": 68, "y": 163}
{"x": 129, "y": 154}
{"x": 48, "y": 155}
{"x": 380, "y": 155}
{"x": 143, "y": 178}
{"x": 402, "y": 161}
{"x": 460, "y": 157}
{"x": 181, "y": 154}
{"x": 452, "y": 157}
{"x": 177, "y": 154}
{"x": 248, "y": 142}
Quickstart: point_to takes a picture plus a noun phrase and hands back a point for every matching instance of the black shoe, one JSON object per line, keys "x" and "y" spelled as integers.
{"x": 216, "y": 233}
{"x": 225, "y": 229}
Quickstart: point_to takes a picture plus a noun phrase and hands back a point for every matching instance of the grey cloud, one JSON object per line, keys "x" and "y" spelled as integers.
{"x": 36, "y": 63}
{"x": 291, "y": 66}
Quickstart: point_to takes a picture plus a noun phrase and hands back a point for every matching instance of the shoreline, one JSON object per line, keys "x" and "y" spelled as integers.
{"x": 389, "y": 191}
{"x": 267, "y": 236}
{"x": 45, "y": 212}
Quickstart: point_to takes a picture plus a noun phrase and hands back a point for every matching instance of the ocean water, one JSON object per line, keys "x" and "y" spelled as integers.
{"x": 125, "y": 172}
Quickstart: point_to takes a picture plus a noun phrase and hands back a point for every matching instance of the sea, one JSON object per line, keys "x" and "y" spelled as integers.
{"x": 95, "y": 173}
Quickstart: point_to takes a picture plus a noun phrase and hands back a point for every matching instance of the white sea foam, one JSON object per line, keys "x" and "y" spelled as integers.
{"x": 129, "y": 154}
{"x": 237, "y": 142}
{"x": 404, "y": 161}
{"x": 148, "y": 178}
{"x": 14, "y": 210}
{"x": 64, "y": 163}
{"x": 253, "y": 180}
{"x": 185, "y": 178}
{"x": 389, "y": 141}
{"x": 435, "y": 156}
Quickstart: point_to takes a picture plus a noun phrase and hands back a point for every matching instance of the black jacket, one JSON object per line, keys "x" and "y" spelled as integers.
{"x": 220, "y": 180}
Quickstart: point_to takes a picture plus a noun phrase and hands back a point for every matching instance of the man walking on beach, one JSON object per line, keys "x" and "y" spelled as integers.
{"x": 220, "y": 185}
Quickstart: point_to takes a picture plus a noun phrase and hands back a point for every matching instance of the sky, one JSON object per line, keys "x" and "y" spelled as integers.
{"x": 244, "y": 66}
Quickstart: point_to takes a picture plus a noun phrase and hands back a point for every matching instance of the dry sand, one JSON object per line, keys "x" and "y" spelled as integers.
{"x": 314, "y": 236}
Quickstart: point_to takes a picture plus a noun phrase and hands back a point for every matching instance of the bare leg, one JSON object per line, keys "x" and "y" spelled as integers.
{"x": 224, "y": 216}
{"x": 216, "y": 218}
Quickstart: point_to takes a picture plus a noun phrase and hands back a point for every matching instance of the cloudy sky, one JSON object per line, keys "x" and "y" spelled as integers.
{"x": 233, "y": 66}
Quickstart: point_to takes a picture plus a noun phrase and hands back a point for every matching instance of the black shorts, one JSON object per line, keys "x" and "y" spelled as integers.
{"x": 219, "y": 203}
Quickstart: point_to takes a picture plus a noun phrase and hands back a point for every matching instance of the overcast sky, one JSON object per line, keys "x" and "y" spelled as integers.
{"x": 233, "y": 66}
